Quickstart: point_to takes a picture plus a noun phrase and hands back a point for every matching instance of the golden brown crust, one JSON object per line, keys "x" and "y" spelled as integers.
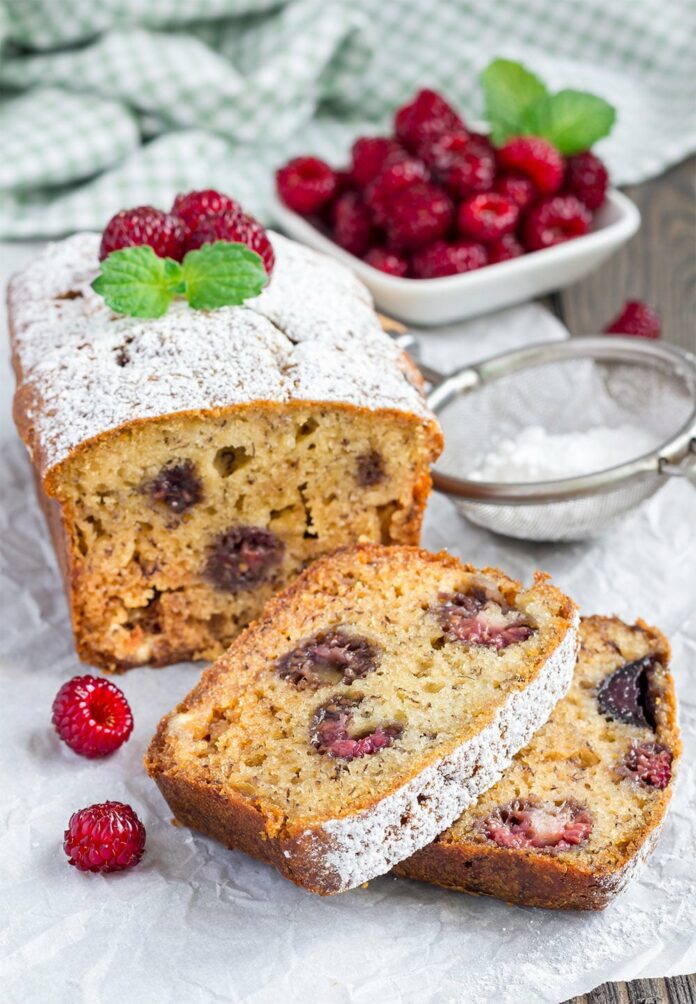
{"x": 240, "y": 825}
{"x": 543, "y": 880}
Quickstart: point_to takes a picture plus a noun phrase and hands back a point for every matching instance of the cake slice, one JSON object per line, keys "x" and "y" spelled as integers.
{"x": 372, "y": 702}
{"x": 581, "y": 807}
{"x": 192, "y": 464}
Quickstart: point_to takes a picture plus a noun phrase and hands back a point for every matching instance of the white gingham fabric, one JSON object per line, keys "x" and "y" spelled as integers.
{"x": 121, "y": 102}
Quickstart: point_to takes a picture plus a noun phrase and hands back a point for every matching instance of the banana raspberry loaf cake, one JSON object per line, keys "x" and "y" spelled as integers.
{"x": 581, "y": 807}
{"x": 375, "y": 699}
{"x": 190, "y": 465}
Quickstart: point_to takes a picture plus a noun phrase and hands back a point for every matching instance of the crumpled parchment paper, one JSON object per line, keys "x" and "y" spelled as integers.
{"x": 197, "y": 923}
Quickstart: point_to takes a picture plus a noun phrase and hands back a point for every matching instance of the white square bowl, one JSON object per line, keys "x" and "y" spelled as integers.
{"x": 456, "y": 297}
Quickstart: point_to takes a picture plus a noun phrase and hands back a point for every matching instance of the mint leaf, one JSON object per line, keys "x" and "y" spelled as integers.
{"x": 509, "y": 89}
{"x": 572, "y": 120}
{"x": 222, "y": 274}
{"x": 137, "y": 282}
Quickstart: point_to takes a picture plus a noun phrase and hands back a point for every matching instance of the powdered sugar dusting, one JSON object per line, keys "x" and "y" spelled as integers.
{"x": 369, "y": 844}
{"x": 312, "y": 335}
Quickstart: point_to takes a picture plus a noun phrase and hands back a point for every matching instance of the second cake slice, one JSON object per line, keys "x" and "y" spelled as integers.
{"x": 373, "y": 701}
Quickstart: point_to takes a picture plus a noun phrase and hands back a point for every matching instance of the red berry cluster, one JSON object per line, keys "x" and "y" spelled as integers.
{"x": 437, "y": 198}
{"x": 92, "y": 716}
{"x": 195, "y": 218}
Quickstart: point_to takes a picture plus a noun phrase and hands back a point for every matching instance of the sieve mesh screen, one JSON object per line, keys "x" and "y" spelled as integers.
{"x": 567, "y": 396}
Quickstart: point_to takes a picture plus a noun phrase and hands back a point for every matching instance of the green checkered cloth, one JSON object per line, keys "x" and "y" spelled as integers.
{"x": 113, "y": 103}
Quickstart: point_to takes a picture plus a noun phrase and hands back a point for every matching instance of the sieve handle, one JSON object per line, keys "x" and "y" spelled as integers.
{"x": 683, "y": 468}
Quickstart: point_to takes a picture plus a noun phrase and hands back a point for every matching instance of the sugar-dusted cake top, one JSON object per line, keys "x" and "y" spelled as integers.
{"x": 83, "y": 370}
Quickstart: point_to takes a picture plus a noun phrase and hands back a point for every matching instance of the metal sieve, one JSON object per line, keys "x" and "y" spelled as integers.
{"x": 565, "y": 387}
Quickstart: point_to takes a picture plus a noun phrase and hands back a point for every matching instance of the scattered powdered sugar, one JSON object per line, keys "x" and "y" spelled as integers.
{"x": 369, "y": 844}
{"x": 537, "y": 455}
{"x": 311, "y": 335}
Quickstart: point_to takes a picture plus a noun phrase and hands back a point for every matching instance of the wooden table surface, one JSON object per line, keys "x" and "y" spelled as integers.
{"x": 677, "y": 990}
{"x": 658, "y": 266}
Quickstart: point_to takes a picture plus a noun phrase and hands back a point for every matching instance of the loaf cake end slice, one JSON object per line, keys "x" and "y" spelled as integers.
{"x": 374, "y": 700}
{"x": 191, "y": 465}
{"x": 582, "y": 805}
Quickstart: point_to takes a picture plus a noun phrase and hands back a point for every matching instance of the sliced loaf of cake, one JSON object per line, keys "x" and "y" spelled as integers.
{"x": 582, "y": 805}
{"x": 373, "y": 701}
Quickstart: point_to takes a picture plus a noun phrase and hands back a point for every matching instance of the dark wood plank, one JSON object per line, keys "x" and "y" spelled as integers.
{"x": 658, "y": 265}
{"x": 676, "y": 990}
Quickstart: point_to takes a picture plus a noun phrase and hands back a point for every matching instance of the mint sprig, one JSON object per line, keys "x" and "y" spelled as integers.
{"x": 135, "y": 281}
{"x": 222, "y": 273}
{"x": 509, "y": 90}
{"x": 572, "y": 120}
{"x": 518, "y": 104}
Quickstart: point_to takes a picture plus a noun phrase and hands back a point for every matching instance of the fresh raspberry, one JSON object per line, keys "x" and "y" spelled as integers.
{"x": 530, "y": 823}
{"x": 442, "y": 258}
{"x": 516, "y": 187}
{"x": 344, "y": 183}
{"x": 369, "y": 154}
{"x": 440, "y": 150}
{"x": 554, "y": 221}
{"x": 237, "y": 227}
{"x": 648, "y": 763}
{"x": 428, "y": 114}
{"x": 464, "y": 166}
{"x": 194, "y": 207}
{"x": 107, "y": 837}
{"x": 144, "y": 225}
{"x": 536, "y": 158}
{"x": 505, "y": 249}
{"x": 352, "y": 224}
{"x": 92, "y": 716}
{"x": 587, "y": 178}
{"x": 306, "y": 184}
{"x": 388, "y": 261}
{"x": 636, "y": 318}
{"x": 418, "y": 215}
{"x": 396, "y": 175}
{"x": 487, "y": 217}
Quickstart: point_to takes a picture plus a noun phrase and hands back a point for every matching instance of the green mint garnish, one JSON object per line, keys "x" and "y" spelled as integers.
{"x": 509, "y": 90}
{"x": 572, "y": 120}
{"x": 518, "y": 104}
{"x": 135, "y": 281}
{"x": 221, "y": 274}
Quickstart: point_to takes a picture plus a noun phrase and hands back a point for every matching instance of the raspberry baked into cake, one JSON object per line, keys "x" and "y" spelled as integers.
{"x": 191, "y": 464}
{"x": 581, "y": 807}
{"x": 373, "y": 701}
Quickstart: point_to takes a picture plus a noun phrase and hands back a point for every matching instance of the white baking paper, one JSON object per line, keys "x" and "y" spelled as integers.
{"x": 196, "y": 923}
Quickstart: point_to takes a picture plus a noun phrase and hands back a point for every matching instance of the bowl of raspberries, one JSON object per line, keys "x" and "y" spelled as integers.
{"x": 443, "y": 221}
